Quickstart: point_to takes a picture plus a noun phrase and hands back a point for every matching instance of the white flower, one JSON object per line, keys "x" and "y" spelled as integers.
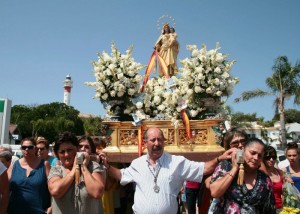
{"x": 156, "y": 100}
{"x": 197, "y": 89}
{"x": 113, "y": 93}
{"x": 104, "y": 96}
{"x": 107, "y": 82}
{"x": 120, "y": 76}
{"x": 139, "y": 105}
{"x": 193, "y": 113}
{"x": 131, "y": 91}
{"x": 120, "y": 93}
{"x": 112, "y": 66}
{"x": 208, "y": 90}
{"x": 190, "y": 91}
{"x": 216, "y": 81}
{"x": 217, "y": 70}
{"x": 219, "y": 93}
{"x": 161, "y": 107}
{"x": 108, "y": 72}
{"x": 131, "y": 73}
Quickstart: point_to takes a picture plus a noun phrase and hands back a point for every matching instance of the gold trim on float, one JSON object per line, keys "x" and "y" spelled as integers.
{"x": 124, "y": 139}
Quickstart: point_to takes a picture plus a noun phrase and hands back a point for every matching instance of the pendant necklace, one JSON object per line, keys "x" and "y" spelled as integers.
{"x": 156, "y": 188}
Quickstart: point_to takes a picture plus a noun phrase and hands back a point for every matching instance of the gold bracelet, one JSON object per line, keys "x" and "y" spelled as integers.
{"x": 230, "y": 174}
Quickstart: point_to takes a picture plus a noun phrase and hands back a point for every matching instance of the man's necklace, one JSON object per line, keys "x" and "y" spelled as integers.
{"x": 155, "y": 175}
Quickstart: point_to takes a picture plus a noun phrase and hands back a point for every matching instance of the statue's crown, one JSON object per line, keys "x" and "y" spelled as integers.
{"x": 165, "y": 24}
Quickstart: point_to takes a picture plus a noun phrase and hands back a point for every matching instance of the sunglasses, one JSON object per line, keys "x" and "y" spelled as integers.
{"x": 269, "y": 157}
{"x": 41, "y": 149}
{"x": 27, "y": 147}
{"x": 237, "y": 142}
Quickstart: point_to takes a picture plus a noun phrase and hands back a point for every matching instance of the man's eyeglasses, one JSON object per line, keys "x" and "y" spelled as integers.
{"x": 41, "y": 149}
{"x": 269, "y": 157}
{"x": 27, "y": 147}
{"x": 237, "y": 142}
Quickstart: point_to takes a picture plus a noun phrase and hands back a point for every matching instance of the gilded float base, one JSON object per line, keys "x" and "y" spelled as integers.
{"x": 201, "y": 146}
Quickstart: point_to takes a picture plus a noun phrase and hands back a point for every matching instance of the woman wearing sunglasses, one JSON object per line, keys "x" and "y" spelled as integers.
{"x": 275, "y": 174}
{"x": 28, "y": 182}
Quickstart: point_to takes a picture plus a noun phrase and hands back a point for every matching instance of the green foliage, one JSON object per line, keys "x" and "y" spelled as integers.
{"x": 47, "y": 120}
{"x": 92, "y": 125}
{"x": 292, "y": 116}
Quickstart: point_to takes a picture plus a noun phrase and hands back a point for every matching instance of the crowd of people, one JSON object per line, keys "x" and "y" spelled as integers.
{"x": 78, "y": 177}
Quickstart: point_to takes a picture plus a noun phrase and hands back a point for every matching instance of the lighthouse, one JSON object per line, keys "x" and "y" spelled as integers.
{"x": 68, "y": 84}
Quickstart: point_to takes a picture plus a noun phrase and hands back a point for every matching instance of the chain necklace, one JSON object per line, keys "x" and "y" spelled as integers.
{"x": 156, "y": 188}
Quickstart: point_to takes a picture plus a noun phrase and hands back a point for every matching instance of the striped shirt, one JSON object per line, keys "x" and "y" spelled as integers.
{"x": 173, "y": 172}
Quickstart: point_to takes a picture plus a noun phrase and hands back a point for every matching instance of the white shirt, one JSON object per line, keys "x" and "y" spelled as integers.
{"x": 2, "y": 168}
{"x": 173, "y": 172}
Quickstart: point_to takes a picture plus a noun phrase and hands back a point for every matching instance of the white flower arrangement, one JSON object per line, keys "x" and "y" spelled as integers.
{"x": 206, "y": 76}
{"x": 202, "y": 81}
{"x": 117, "y": 78}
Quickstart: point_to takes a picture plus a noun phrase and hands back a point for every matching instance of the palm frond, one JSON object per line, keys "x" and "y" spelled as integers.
{"x": 247, "y": 95}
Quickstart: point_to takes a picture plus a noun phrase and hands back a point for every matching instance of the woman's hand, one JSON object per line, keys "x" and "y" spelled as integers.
{"x": 233, "y": 159}
{"x": 227, "y": 155}
{"x": 86, "y": 159}
{"x": 289, "y": 179}
{"x": 103, "y": 158}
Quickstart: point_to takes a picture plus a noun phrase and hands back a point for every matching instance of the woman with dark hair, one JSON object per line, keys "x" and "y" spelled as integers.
{"x": 234, "y": 138}
{"x": 42, "y": 146}
{"x": 28, "y": 182}
{"x": 275, "y": 174}
{"x": 254, "y": 195}
{"x": 86, "y": 144}
{"x": 83, "y": 196}
{"x": 293, "y": 170}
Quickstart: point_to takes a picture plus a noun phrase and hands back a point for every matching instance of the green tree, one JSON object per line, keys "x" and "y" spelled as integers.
{"x": 47, "y": 120}
{"x": 283, "y": 83}
{"x": 92, "y": 125}
{"x": 292, "y": 116}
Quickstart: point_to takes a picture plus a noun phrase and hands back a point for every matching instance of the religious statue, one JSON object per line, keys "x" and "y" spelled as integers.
{"x": 168, "y": 47}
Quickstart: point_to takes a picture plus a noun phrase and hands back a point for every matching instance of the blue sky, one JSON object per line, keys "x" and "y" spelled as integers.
{"x": 43, "y": 41}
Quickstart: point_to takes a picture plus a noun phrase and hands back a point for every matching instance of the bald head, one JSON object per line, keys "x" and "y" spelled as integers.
{"x": 150, "y": 130}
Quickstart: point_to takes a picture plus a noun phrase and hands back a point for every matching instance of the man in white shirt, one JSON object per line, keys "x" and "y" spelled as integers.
{"x": 159, "y": 176}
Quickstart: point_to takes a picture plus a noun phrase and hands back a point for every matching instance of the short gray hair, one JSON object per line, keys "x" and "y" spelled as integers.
{"x": 6, "y": 147}
{"x": 6, "y": 155}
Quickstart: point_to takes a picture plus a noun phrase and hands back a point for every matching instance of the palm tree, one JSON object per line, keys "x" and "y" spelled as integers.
{"x": 282, "y": 84}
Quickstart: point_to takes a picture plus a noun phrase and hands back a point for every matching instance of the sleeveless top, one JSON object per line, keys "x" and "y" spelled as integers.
{"x": 295, "y": 179}
{"x": 277, "y": 190}
{"x": 28, "y": 194}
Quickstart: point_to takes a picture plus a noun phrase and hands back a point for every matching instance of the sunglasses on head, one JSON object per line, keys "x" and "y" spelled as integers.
{"x": 269, "y": 157}
{"x": 27, "y": 147}
{"x": 240, "y": 141}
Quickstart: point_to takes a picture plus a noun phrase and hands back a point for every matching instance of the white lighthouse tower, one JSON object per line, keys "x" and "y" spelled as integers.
{"x": 68, "y": 84}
